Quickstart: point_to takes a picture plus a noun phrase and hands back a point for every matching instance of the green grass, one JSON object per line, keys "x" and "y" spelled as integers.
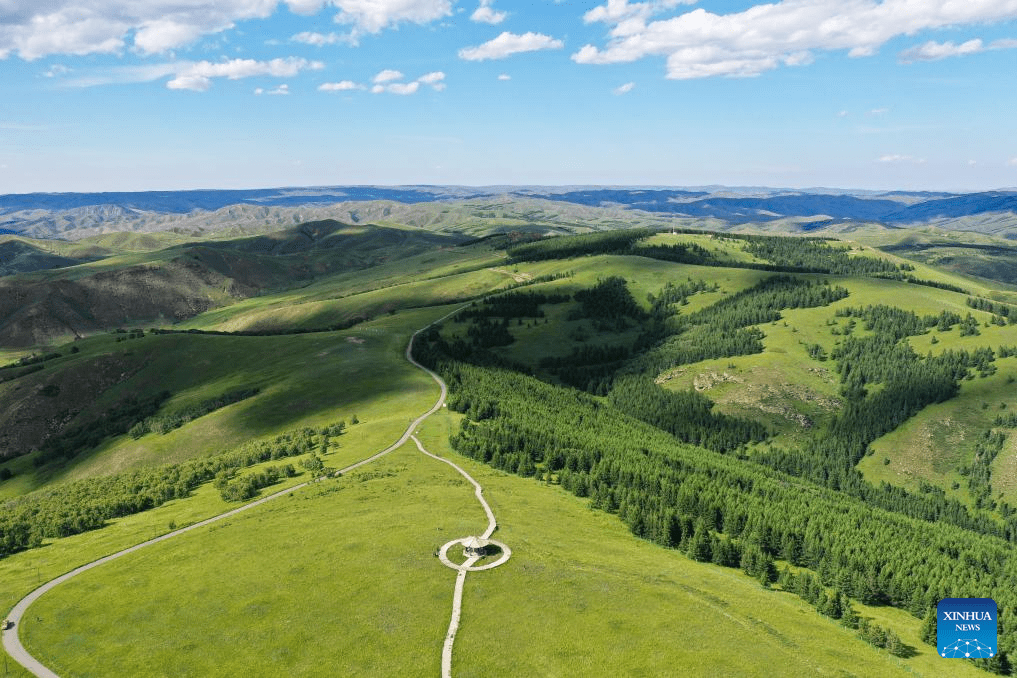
{"x": 931, "y": 445}
{"x": 363, "y": 594}
{"x": 342, "y": 582}
{"x": 23, "y": 572}
{"x": 313, "y": 308}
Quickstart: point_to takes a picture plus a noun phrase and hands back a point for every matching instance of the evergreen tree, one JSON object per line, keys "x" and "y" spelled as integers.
{"x": 928, "y": 632}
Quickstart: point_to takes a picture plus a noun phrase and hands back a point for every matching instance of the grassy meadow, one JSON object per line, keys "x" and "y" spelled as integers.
{"x": 371, "y": 598}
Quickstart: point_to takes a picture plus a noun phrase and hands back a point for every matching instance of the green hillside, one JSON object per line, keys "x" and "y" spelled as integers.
{"x": 762, "y": 455}
{"x": 140, "y": 286}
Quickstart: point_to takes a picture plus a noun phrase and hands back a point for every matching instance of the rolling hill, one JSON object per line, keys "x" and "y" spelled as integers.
{"x": 75, "y": 216}
{"x": 181, "y": 281}
{"x": 797, "y": 445}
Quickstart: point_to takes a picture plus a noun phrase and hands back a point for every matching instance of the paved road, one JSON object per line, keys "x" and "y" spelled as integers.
{"x": 11, "y": 638}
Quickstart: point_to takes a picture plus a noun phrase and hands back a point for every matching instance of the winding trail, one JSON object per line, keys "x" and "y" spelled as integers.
{"x": 477, "y": 489}
{"x": 11, "y": 638}
{"x": 467, "y": 566}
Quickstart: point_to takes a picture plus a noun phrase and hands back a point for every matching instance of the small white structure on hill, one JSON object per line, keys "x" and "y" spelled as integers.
{"x": 475, "y": 546}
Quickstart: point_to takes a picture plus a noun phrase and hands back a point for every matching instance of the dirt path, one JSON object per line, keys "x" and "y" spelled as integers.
{"x": 11, "y": 637}
{"x": 467, "y": 566}
{"x": 477, "y": 489}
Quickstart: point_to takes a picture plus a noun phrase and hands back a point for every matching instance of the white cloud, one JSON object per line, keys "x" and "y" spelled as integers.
{"x": 842, "y": 114}
{"x": 508, "y": 44}
{"x": 341, "y": 86}
{"x": 895, "y": 158}
{"x": 160, "y": 35}
{"x": 322, "y": 39}
{"x": 879, "y": 111}
{"x": 1012, "y": 162}
{"x": 933, "y": 51}
{"x": 403, "y": 88}
{"x": 485, "y": 15}
{"x": 388, "y": 75}
{"x": 504, "y": 76}
{"x": 281, "y": 90}
{"x": 700, "y": 44}
{"x": 624, "y": 89}
{"x": 195, "y": 83}
{"x": 434, "y": 79}
{"x": 36, "y": 28}
{"x": 197, "y": 76}
{"x": 305, "y": 6}
{"x": 618, "y": 11}
{"x": 371, "y": 16}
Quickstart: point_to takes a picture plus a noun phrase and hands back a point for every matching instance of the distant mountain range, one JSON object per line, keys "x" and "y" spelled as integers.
{"x": 76, "y": 215}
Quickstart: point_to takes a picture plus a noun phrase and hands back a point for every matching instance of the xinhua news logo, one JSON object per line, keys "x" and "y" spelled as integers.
{"x": 966, "y": 628}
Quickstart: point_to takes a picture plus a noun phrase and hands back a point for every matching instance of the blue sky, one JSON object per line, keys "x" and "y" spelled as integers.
{"x": 171, "y": 94}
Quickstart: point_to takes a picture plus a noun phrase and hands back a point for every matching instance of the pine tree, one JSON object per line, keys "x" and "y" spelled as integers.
{"x": 849, "y": 617}
{"x": 894, "y": 645}
{"x": 928, "y": 632}
{"x": 699, "y": 545}
{"x": 786, "y": 580}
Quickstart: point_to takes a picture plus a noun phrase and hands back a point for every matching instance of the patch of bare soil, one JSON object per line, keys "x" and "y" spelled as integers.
{"x": 775, "y": 399}
{"x": 42, "y": 404}
{"x": 518, "y": 277}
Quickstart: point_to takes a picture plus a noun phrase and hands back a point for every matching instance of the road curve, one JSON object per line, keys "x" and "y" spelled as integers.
{"x": 11, "y": 637}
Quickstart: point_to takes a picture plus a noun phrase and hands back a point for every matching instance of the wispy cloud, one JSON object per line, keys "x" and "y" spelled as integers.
{"x": 196, "y": 75}
{"x": 934, "y": 51}
{"x": 896, "y": 159}
{"x": 322, "y": 39}
{"x": 504, "y": 76}
{"x": 281, "y": 90}
{"x": 624, "y": 89}
{"x": 56, "y": 71}
{"x": 507, "y": 44}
